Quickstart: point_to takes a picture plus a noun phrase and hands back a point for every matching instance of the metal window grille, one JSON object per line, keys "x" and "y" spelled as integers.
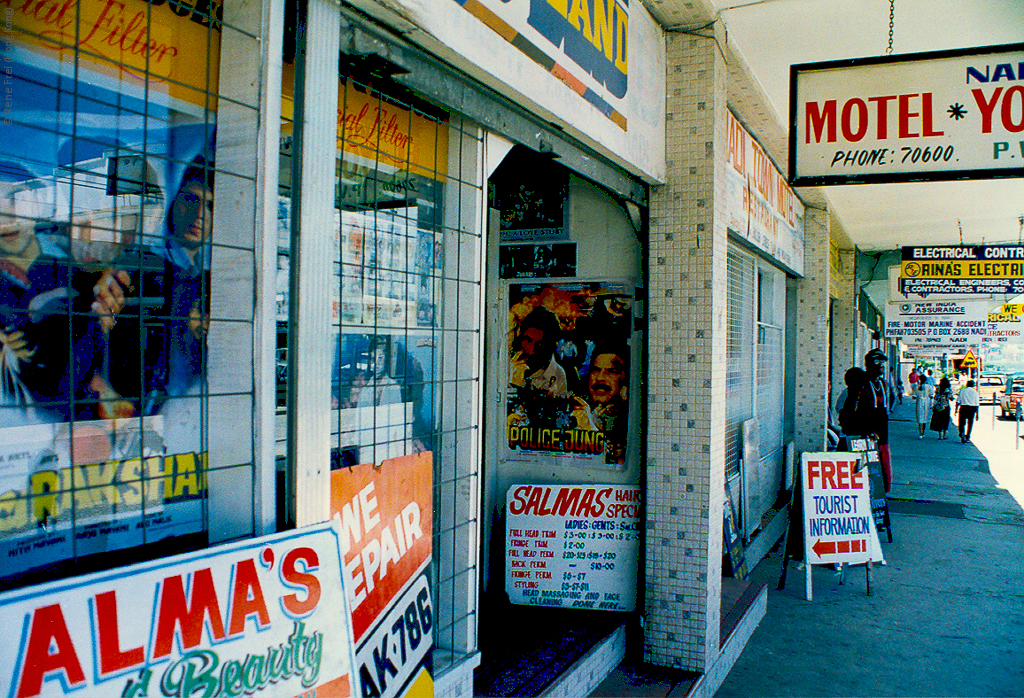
{"x": 405, "y": 319}
{"x": 739, "y": 356}
{"x": 111, "y": 177}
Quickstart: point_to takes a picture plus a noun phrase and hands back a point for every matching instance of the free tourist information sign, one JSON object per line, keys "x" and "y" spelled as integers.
{"x": 838, "y": 523}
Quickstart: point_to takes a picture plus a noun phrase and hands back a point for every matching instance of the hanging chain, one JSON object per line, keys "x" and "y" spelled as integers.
{"x": 892, "y": 15}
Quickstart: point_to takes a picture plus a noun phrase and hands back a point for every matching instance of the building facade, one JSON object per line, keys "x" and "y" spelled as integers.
{"x": 411, "y": 268}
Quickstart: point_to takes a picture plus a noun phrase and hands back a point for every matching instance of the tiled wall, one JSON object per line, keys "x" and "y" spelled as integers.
{"x": 844, "y": 320}
{"x": 686, "y": 372}
{"x": 812, "y": 369}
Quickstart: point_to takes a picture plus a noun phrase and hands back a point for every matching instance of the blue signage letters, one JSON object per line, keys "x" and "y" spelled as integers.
{"x": 595, "y": 35}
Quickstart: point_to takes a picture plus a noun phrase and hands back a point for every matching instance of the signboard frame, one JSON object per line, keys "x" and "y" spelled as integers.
{"x": 796, "y": 179}
{"x": 867, "y": 549}
{"x": 573, "y": 546}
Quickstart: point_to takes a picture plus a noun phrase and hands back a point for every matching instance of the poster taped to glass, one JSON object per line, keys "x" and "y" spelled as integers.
{"x": 106, "y": 254}
{"x": 568, "y": 372}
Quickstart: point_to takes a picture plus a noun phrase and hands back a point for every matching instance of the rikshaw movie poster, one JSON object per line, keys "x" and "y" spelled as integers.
{"x": 568, "y": 370}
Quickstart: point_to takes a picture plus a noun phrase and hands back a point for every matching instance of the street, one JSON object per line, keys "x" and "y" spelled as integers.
{"x": 946, "y": 614}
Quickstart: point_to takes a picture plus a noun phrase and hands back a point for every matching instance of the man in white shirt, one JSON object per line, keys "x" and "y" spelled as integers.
{"x": 967, "y": 409}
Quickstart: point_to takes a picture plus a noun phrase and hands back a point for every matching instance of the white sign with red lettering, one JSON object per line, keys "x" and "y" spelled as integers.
{"x": 941, "y": 115}
{"x": 572, "y": 546}
{"x": 838, "y": 525}
{"x": 265, "y": 615}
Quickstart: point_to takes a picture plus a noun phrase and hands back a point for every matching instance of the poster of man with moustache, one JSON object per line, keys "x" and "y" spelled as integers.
{"x": 568, "y": 370}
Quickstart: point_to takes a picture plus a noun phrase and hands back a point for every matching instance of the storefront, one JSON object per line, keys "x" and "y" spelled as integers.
{"x": 266, "y": 267}
{"x": 765, "y": 220}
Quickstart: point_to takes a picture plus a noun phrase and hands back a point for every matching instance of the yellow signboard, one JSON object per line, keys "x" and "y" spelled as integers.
{"x": 172, "y": 44}
{"x": 384, "y": 133}
{"x": 969, "y": 360}
{"x": 957, "y": 269}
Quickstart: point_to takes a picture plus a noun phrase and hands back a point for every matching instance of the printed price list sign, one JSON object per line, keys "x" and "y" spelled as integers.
{"x": 572, "y": 546}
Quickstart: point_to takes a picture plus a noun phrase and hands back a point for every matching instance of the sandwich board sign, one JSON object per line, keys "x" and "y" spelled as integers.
{"x": 839, "y": 527}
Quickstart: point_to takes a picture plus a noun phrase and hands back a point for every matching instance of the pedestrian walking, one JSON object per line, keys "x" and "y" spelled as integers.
{"x": 923, "y": 407}
{"x": 940, "y": 408}
{"x": 966, "y": 409}
{"x": 865, "y": 410}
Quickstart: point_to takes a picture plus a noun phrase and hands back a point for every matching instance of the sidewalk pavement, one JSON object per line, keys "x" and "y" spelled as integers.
{"x": 946, "y": 614}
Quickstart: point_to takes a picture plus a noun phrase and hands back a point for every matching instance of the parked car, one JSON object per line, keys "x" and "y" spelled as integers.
{"x": 1011, "y": 395}
{"x": 989, "y": 386}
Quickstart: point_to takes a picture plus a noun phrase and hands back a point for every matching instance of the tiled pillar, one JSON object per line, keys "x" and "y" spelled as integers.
{"x": 686, "y": 379}
{"x": 812, "y": 367}
{"x": 844, "y": 319}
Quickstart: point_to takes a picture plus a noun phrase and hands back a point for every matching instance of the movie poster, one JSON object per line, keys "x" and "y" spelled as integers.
{"x": 124, "y": 489}
{"x": 568, "y": 370}
{"x": 106, "y": 224}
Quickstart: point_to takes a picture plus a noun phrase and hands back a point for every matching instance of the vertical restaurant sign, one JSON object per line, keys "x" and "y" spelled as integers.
{"x": 572, "y": 546}
{"x": 265, "y": 614}
{"x": 762, "y": 208}
{"x": 98, "y": 486}
{"x": 386, "y": 523}
{"x": 838, "y": 522}
{"x": 175, "y": 44}
{"x": 941, "y": 115}
{"x": 597, "y": 66}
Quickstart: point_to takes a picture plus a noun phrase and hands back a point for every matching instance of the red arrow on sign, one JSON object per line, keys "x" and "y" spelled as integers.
{"x": 821, "y": 547}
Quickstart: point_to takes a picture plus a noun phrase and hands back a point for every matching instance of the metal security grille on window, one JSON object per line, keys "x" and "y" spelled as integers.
{"x": 115, "y": 311}
{"x": 739, "y": 356}
{"x": 405, "y": 330}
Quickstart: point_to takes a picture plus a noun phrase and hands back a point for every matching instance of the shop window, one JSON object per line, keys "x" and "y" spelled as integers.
{"x": 114, "y": 257}
{"x": 405, "y": 325}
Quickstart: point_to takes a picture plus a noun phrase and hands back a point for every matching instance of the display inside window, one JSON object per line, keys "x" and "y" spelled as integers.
{"x": 107, "y": 179}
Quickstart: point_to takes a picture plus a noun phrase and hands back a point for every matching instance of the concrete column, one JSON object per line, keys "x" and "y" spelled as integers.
{"x": 845, "y": 319}
{"x": 686, "y": 372}
{"x": 812, "y": 366}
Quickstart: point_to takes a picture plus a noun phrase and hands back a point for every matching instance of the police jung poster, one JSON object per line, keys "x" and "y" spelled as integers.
{"x": 569, "y": 359}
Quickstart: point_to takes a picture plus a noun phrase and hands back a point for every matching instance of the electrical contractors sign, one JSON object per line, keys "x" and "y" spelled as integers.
{"x": 943, "y": 115}
{"x": 838, "y": 524}
{"x": 572, "y": 546}
{"x": 267, "y": 615}
{"x": 965, "y": 269}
